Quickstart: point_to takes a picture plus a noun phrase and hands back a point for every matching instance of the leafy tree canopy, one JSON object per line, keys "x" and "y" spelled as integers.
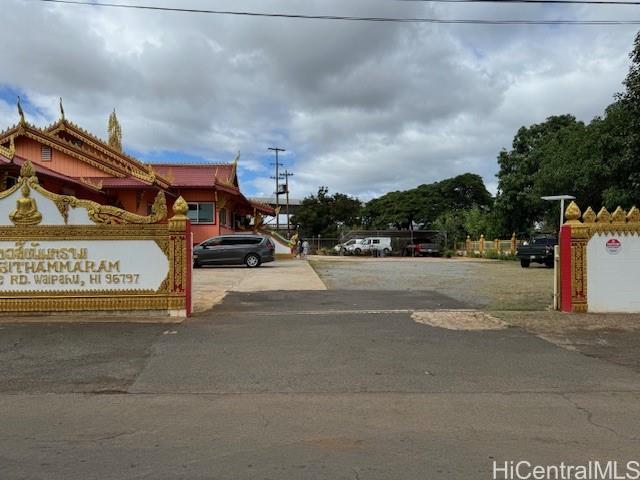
{"x": 322, "y": 214}
{"x": 424, "y": 204}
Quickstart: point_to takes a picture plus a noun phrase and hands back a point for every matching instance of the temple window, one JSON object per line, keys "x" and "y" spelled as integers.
{"x": 201, "y": 212}
{"x": 45, "y": 153}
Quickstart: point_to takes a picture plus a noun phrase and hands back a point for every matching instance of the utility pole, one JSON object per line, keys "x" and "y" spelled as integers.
{"x": 286, "y": 176}
{"x": 277, "y": 177}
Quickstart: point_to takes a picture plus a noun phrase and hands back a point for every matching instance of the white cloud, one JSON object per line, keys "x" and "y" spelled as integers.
{"x": 361, "y": 107}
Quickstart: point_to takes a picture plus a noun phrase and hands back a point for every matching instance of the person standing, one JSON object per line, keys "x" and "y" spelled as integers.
{"x": 305, "y": 249}
{"x": 299, "y": 250}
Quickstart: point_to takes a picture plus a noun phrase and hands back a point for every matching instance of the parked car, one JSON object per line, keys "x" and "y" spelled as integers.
{"x": 538, "y": 250}
{"x": 371, "y": 244}
{"x": 251, "y": 250}
{"x": 422, "y": 249}
{"x": 348, "y": 246}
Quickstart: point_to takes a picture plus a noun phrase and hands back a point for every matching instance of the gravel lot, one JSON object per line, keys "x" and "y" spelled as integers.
{"x": 486, "y": 284}
{"x": 520, "y": 297}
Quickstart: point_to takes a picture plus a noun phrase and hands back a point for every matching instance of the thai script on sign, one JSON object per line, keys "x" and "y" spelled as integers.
{"x": 32, "y": 252}
{"x": 23, "y": 265}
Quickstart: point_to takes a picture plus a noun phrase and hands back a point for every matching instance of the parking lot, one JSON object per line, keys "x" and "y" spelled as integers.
{"x": 486, "y": 284}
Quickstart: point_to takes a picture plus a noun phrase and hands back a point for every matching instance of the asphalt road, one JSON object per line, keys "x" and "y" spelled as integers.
{"x": 303, "y": 385}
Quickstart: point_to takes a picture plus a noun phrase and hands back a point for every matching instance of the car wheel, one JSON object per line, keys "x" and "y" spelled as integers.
{"x": 386, "y": 252}
{"x": 196, "y": 264}
{"x": 525, "y": 263}
{"x": 252, "y": 260}
{"x": 549, "y": 263}
{"x": 357, "y": 251}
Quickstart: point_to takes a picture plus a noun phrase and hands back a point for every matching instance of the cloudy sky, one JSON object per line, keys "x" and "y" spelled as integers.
{"x": 363, "y": 108}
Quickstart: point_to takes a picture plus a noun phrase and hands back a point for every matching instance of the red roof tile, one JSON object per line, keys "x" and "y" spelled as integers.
{"x": 182, "y": 175}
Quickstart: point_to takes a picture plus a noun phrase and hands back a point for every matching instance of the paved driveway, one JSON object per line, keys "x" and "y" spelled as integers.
{"x": 303, "y": 385}
{"x": 211, "y": 284}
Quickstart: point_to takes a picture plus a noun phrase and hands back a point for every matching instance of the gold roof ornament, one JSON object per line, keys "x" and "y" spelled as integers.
{"x": 21, "y": 112}
{"x": 178, "y": 222}
{"x": 604, "y": 216}
{"x": 589, "y": 216}
{"x": 27, "y": 170}
{"x": 572, "y": 214}
{"x": 180, "y": 207}
{"x": 115, "y": 132}
{"x": 619, "y": 215}
{"x": 633, "y": 216}
{"x": 61, "y": 110}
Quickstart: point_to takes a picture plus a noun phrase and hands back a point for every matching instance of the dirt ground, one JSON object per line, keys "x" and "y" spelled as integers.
{"x": 486, "y": 284}
{"x": 519, "y": 297}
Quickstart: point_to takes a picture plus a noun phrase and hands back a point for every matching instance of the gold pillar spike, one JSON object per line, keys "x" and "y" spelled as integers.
{"x": 572, "y": 214}
{"x": 619, "y": 216}
{"x": 603, "y": 216}
{"x": 589, "y": 216}
{"x": 633, "y": 216}
{"x": 178, "y": 223}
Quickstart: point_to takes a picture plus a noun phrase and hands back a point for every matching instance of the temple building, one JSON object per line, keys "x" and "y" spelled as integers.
{"x": 71, "y": 161}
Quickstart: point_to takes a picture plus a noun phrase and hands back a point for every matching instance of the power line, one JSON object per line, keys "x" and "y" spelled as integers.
{"x": 548, "y": 2}
{"x": 346, "y": 18}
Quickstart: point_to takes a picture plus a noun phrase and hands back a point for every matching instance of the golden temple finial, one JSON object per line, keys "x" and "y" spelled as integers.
{"x": 235, "y": 160}
{"x": 21, "y": 112}
{"x": 61, "y": 110}
{"x": 178, "y": 223}
{"x": 27, "y": 170}
{"x": 604, "y": 216}
{"x": 115, "y": 132}
{"x": 619, "y": 215}
{"x": 573, "y": 213}
{"x": 589, "y": 216}
{"x": 633, "y": 216}
{"x": 180, "y": 207}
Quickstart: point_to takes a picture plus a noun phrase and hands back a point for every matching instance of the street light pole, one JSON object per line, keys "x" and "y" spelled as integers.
{"x": 562, "y": 198}
{"x": 286, "y": 176}
{"x": 556, "y": 249}
{"x": 277, "y": 177}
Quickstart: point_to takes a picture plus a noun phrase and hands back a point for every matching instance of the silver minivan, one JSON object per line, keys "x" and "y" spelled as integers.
{"x": 250, "y": 250}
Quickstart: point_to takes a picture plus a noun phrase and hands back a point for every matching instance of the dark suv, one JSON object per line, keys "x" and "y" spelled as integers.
{"x": 252, "y": 250}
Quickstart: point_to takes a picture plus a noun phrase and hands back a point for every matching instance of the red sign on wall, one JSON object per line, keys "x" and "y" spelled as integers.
{"x": 613, "y": 246}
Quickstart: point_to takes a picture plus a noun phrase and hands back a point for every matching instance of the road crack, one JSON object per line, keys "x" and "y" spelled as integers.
{"x": 589, "y": 417}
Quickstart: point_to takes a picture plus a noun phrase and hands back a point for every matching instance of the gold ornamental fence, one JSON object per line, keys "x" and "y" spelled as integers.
{"x": 483, "y": 246}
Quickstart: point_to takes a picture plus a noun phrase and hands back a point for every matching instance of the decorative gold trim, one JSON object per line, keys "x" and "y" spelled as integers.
{"x": 618, "y": 223}
{"x": 603, "y": 216}
{"x": 589, "y": 216}
{"x": 98, "y": 213}
{"x": 110, "y": 224}
{"x": 9, "y": 152}
{"x": 572, "y": 213}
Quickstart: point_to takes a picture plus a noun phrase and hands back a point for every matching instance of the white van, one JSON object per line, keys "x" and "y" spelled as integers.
{"x": 369, "y": 244}
{"x": 348, "y": 246}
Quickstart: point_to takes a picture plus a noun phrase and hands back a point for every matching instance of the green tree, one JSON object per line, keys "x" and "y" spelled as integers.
{"x": 321, "y": 214}
{"x": 426, "y": 203}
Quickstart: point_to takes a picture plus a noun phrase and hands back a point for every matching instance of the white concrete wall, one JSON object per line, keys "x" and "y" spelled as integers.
{"x": 613, "y": 281}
